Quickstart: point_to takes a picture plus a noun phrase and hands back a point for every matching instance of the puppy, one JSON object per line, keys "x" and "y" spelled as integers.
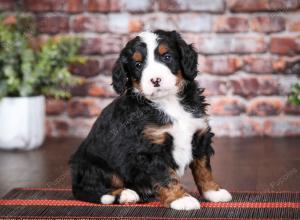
{"x": 144, "y": 140}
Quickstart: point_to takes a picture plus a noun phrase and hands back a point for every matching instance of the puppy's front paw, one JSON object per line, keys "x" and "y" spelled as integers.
{"x": 129, "y": 196}
{"x": 107, "y": 199}
{"x": 221, "y": 195}
{"x": 185, "y": 203}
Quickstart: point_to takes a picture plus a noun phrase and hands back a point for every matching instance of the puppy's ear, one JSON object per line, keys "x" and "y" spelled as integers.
{"x": 188, "y": 57}
{"x": 119, "y": 77}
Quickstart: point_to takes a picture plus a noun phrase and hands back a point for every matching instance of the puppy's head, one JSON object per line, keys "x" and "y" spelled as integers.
{"x": 155, "y": 64}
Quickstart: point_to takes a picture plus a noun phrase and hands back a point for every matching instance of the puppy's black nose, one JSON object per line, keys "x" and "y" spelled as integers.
{"x": 156, "y": 82}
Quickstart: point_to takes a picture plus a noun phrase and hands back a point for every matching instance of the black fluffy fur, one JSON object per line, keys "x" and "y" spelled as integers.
{"x": 115, "y": 144}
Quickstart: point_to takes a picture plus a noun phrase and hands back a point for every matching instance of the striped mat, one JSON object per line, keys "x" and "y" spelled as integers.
{"x": 43, "y": 203}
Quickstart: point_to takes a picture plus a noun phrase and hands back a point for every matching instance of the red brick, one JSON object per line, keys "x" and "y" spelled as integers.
{"x": 265, "y": 106}
{"x": 284, "y": 6}
{"x": 220, "y": 65}
{"x": 118, "y": 23}
{"x": 48, "y": 127}
{"x": 104, "y": 44}
{"x": 262, "y": 5}
{"x": 83, "y": 108}
{"x": 98, "y": 89}
{"x": 101, "y": 88}
{"x": 213, "y": 86}
{"x": 103, "y": 5}
{"x": 91, "y": 45}
{"x": 61, "y": 127}
{"x": 285, "y": 45}
{"x": 255, "y": 126}
{"x": 80, "y": 127}
{"x": 233, "y": 126}
{"x": 72, "y": 6}
{"x": 294, "y": 23}
{"x": 111, "y": 44}
{"x": 6, "y": 5}
{"x": 215, "y": 6}
{"x": 253, "y": 86}
{"x": 227, "y": 106}
{"x": 291, "y": 109}
{"x": 282, "y": 126}
{"x": 138, "y": 5}
{"x": 165, "y": 21}
{"x": 254, "y": 64}
{"x": 83, "y": 23}
{"x": 190, "y": 38}
{"x": 108, "y": 62}
{"x": 80, "y": 90}
{"x": 279, "y": 64}
{"x": 75, "y": 6}
{"x": 172, "y": 5}
{"x": 229, "y": 44}
{"x": 55, "y": 106}
{"x": 230, "y": 24}
{"x": 52, "y": 24}
{"x": 295, "y": 27}
{"x": 135, "y": 25}
{"x": 267, "y": 24}
{"x": 57, "y": 127}
{"x": 194, "y": 22}
{"x": 88, "y": 69}
{"x": 248, "y": 5}
{"x": 45, "y": 5}
{"x": 249, "y": 45}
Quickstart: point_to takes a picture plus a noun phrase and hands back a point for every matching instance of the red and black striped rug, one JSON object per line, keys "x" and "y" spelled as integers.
{"x": 36, "y": 203}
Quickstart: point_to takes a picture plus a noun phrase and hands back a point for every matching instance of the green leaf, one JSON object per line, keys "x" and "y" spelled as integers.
{"x": 294, "y": 94}
{"x": 27, "y": 72}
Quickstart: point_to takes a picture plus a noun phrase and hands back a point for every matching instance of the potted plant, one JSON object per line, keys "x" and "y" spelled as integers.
{"x": 294, "y": 93}
{"x": 29, "y": 72}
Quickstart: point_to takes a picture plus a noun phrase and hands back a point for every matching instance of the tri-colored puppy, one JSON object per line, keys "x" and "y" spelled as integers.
{"x": 145, "y": 139}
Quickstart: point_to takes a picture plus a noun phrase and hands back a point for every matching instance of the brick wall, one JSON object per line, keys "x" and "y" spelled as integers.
{"x": 244, "y": 47}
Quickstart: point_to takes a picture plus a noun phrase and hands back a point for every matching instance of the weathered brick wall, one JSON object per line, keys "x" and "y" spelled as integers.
{"x": 244, "y": 47}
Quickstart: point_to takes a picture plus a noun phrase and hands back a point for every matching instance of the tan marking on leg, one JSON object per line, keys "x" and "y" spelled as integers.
{"x": 162, "y": 49}
{"x": 116, "y": 181}
{"x": 117, "y": 192}
{"x": 137, "y": 56}
{"x": 156, "y": 134}
{"x": 173, "y": 191}
{"x": 202, "y": 175}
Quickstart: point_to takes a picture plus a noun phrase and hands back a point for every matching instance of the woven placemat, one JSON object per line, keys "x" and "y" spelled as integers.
{"x": 41, "y": 203}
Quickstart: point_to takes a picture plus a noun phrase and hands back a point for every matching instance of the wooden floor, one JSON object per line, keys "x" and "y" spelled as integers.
{"x": 250, "y": 164}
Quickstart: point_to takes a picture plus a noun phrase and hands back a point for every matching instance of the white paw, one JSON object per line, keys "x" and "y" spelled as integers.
{"x": 129, "y": 196}
{"x": 185, "y": 203}
{"x": 222, "y": 195}
{"x": 107, "y": 199}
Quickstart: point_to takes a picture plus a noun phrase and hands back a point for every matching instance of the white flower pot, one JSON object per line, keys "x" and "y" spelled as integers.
{"x": 22, "y": 121}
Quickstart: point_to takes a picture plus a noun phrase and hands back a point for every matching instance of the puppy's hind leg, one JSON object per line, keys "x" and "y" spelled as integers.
{"x": 94, "y": 184}
{"x": 121, "y": 195}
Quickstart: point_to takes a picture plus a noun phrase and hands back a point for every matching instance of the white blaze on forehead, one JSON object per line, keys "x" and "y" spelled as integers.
{"x": 155, "y": 69}
{"x": 150, "y": 39}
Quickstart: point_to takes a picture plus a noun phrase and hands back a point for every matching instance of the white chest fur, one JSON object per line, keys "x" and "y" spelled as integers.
{"x": 182, "y": 131}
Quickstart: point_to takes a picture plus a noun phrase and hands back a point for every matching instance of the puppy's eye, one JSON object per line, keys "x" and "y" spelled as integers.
{"x": 138, "y": 65}
{"x": 167, "y": 57}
